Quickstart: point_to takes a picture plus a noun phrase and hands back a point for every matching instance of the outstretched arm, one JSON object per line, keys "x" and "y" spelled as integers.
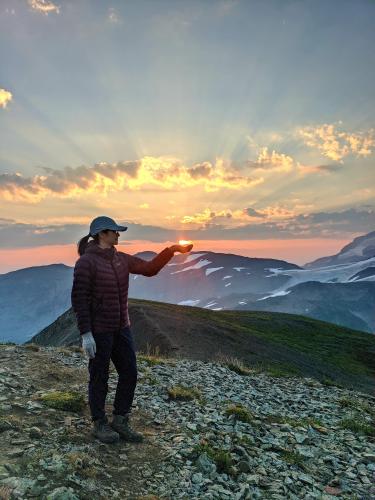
{"x": 152, "y": 267}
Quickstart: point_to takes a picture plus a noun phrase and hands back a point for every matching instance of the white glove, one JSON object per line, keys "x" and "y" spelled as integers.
{"x": 88, "y": 344}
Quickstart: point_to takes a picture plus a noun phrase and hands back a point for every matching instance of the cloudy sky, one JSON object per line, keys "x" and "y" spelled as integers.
{"x": 246, "y": 126}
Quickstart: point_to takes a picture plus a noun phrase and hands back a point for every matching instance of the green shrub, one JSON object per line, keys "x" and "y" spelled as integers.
{"x": 358, "y": 425}
{"x": 151, "y": 360}
{"x": 183, "y": 393}
{"x": 234, "y": 364}
{"x": 60, "y": 400}
{"x": 356, "y": 404}
{"x": 293, "y": 457}
{"x": 240, "y": 412}
{"x": 222, "y": 458}
{"x": 31, "y": 347}
{"x": 330, "y": 382}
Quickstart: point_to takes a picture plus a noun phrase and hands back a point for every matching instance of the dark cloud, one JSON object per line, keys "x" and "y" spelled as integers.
{"x": 200, "y": 170}
{"x": 320, "y": 224}
{"x": 61, "y": 180}
{"x": 129, "y": 167}
{"x": 330, "y": 168}
{"x": 253, "y": 213}
{"x": 348, "y": 218}
{"x": 10, "y": 180}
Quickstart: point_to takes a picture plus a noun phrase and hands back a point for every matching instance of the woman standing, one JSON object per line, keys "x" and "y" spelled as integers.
{"x": 100, "y": 301}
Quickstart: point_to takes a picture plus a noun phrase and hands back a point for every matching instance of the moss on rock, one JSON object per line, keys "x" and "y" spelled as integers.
{"x": 64, "y": 400}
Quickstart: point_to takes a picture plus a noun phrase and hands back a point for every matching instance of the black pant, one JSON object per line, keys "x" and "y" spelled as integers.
{"x": 120, "y": 348}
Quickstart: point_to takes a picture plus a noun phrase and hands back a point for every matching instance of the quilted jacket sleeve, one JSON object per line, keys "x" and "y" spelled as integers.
{"x": 150, "y": 267}
{"x": 81, "y": 294}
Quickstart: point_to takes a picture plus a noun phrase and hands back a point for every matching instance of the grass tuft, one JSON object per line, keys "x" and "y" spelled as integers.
{"x": 240, "y": 412}
{"x": 234, "y": 364}
{"x": 31, "y": 347}
{"x": 329, "y": 382}
{"x": 222, "y": 458}
{"x": 357, "y": 424}
{"x": 5, "y": 492}
{"x": 293, "y": 457}
{"x": 64, "y": 400}
{"x": 151, "y": 360}
{"x": 184, "y": 393}
{"x": 82, "y": 463}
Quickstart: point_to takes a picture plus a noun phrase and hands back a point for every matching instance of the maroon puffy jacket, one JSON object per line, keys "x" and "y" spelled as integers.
{"x": 100, "y": 286}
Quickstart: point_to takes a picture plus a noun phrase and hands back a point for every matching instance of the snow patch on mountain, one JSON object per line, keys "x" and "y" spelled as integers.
{"x": 189, "y": 302}
{"x": 198, "y": 265}
{"x": 194, "y": 256}
{"x": 338, "y": 273}
{"x": 277, "y": 294}
{"x": 210, "y": 304}
{"x": 189, "y": 258}
{"x": 367, "y": 278}
{"x": 210, "y": 270}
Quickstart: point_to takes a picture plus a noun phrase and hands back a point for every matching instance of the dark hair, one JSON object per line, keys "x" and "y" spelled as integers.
{"x": 82, "y": 244}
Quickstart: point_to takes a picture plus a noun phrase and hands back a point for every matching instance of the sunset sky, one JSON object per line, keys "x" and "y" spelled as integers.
{"x": 245, "y": 126}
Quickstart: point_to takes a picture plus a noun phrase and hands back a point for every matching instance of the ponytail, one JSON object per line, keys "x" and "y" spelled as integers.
{"x": 82, "y": 244}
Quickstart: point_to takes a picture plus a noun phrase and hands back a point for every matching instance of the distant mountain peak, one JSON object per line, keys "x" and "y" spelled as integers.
{"x": 361, "y": 248}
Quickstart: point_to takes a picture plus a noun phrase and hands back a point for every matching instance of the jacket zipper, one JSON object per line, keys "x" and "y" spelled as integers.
{"x": 119, "y": 291}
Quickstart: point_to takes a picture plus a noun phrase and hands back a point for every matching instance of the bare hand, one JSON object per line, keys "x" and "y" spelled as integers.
{"x": 183, "y": 248}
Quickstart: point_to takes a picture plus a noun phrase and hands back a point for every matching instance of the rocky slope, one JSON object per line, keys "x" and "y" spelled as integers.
{"x": 239, "y": 436}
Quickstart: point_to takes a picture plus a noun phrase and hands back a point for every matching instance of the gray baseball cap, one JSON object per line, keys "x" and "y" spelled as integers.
{"x": 100, "y": 223}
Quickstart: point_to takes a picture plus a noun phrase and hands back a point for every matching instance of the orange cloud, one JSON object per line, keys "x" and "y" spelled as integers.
{"x": 164, "y": 173}
{"x": 5, "y": 98}
{"x": 44, "y": 6}
{"x": 234, "y": 218}
{"x": 317, "y": 169}
{"x": 277, "y": 161}
{"x": 335, "y": 144}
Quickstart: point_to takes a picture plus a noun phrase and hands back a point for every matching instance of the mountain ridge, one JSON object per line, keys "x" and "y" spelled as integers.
{"x": 361, "y": 248}
{"x": 32, "y": 298}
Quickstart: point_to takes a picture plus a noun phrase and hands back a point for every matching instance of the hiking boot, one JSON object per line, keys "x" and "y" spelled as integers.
{"x": 103, "y": 431}
{"x": 120, "y": 424}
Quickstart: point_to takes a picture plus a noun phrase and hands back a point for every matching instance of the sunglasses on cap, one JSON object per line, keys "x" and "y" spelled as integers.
{"x": 112, "y": 231}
